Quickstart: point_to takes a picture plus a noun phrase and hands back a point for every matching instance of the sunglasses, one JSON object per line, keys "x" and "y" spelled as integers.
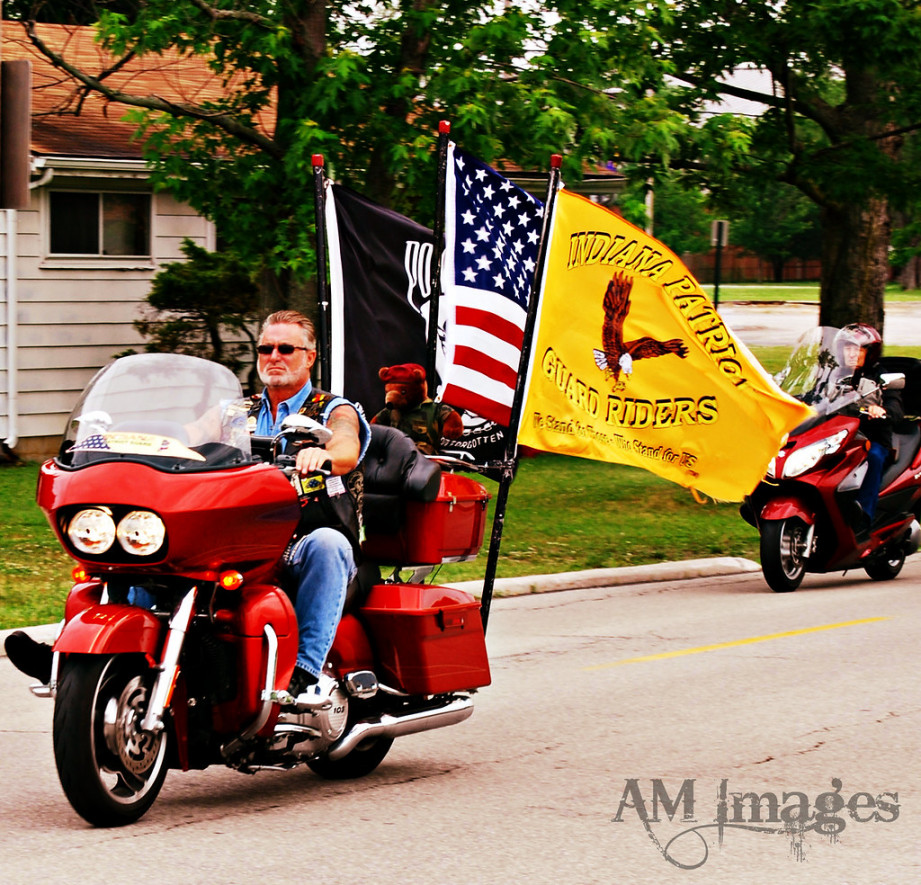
{"x": 283, "y": 349}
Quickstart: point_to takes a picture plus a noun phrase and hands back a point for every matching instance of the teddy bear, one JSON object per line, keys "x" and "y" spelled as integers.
{"x": 409, "y": 408}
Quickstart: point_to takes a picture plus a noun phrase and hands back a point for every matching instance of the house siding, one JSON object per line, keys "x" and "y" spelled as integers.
{"x": 73, "y": 316}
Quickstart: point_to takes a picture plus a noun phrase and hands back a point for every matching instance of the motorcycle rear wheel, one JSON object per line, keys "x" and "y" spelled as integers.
{"x": 361, "y": 761}
{"x": 783, "y": 553}
{"x": 886, "y": 566}
{"x": 110, "y": 769}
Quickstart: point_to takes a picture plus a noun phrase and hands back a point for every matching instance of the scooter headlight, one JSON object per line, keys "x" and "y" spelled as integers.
{"x": 801, "y": 460}
{"x": 92, "y": 530}
{"x": 141, "y": 532}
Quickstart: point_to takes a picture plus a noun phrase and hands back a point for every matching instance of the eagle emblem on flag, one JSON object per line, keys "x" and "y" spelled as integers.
{"x": 618, "y": 355}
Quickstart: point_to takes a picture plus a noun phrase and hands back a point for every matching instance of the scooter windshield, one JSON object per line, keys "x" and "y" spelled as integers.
{"x": 817, "y": 374}
{"x": 173, "y": 411}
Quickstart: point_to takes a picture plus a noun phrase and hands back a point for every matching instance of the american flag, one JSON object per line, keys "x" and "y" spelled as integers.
{"x": 492, "y": 234}
{"x": 94, "y": 442}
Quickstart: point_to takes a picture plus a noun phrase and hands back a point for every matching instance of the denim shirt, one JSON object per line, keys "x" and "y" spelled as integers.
{"x": 290, "y": 406}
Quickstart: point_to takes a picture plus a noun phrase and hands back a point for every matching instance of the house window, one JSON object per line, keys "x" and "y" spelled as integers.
{"x": 86, "y": 223}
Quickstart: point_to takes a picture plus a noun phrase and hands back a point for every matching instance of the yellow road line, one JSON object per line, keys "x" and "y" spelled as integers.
{"x": 735, "y": 642}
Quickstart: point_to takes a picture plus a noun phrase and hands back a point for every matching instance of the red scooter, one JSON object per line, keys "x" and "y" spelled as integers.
{"x": 803, "y": 508}
{"x": 178, "y": 639}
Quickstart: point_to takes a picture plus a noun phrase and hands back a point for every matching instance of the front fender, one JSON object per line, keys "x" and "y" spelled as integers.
{"x": 112, "y": 629}
{"x": 785, "y": 507}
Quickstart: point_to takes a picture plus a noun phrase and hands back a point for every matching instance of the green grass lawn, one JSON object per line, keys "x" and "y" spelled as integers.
{"x": 793, "y": 292}
{"x": 564, "y": 514}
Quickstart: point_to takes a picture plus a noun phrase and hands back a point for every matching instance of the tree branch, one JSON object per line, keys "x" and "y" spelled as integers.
{"x": 233, "y": 15}
{"x": 224, "y": 121}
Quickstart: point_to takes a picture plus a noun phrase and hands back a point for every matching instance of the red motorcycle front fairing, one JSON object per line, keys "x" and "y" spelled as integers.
{"x": 248, "y": 512}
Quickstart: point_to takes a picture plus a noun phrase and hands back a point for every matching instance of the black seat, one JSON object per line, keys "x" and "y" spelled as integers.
{"x": 395, "y": 472}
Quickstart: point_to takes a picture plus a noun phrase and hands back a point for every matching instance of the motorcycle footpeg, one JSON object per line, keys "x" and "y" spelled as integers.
{"x": 306, "y": 702}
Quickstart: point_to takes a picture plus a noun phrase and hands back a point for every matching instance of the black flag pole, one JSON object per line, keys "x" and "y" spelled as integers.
{"x": 324, "y": 374}
{"x": 511, "y": 440}
{"x": 431, "y": 374}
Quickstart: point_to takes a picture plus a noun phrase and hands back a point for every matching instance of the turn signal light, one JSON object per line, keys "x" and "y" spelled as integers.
{"x": 79, "y": 574}
{"x": 230, "y": 580}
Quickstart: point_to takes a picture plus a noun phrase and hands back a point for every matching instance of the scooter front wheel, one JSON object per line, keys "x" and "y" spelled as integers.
{"x": 783, "y": 553}
{"x": 111, "y": 770}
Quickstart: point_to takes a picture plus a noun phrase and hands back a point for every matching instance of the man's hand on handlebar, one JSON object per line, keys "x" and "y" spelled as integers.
{"x": 312, "y": 460}
{"x": 874, "y": 411}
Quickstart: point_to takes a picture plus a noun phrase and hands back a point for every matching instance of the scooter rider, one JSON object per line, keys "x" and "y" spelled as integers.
{"x": 859, "y": 348}
{"x": 321, "y": 562}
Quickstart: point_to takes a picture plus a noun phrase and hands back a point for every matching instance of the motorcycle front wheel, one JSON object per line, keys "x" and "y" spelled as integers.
{"x": 111, "y": 770}
{"x": 783, "y": 553}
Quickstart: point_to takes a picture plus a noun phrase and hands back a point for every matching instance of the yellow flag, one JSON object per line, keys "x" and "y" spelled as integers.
{"x": 632, "y": 364}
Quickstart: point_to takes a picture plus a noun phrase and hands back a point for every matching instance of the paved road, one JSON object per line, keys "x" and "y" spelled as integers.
{"x": 705, "y": 680}
{"x": 782, "y": 323}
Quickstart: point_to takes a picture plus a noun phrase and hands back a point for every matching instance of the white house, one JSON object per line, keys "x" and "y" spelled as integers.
{"x": 77, "y": 263}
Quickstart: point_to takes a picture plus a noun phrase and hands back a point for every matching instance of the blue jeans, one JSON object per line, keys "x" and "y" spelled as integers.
{"x": 869, "y": 489}
{"x": 321, "y": 565}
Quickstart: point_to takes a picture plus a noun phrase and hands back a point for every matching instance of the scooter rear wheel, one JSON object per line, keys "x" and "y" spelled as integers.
{"x": 783, "y": 553}
{"x": 111, "y": 770}
{"x": 885, "y": 567}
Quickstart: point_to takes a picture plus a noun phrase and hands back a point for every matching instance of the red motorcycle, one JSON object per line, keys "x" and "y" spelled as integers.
{"x": 178, "y": 639}
{"x": 802, "y": 508}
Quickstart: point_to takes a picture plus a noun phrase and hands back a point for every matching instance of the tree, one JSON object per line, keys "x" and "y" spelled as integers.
{"x": 365, "y": 83}
{"x": 679, "y": 212}
{"x": 773, "y": 221}
{"x": 843, "y": 99}
{"x": 193, "y": 305}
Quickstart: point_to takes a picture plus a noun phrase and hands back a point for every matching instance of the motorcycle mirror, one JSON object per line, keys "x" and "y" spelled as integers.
{"x": 892, "y": 381}
{"x": 302, "y": 426}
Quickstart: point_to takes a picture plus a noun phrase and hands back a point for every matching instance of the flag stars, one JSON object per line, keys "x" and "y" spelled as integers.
{"x": 468, "y": 246}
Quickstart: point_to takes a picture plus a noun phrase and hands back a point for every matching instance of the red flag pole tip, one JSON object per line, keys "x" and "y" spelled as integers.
{"x": 556, "y": 160}
{"x": 444, "y": 127}
{"x": 317, "y": 159}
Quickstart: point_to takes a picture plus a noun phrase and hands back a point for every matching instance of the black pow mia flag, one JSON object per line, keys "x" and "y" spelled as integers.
{"x": 380, "y": 268}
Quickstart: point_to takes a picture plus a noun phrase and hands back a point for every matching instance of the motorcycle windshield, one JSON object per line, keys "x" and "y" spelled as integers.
{"x": 816, "y": 372}
{"x": 175, "y": 412}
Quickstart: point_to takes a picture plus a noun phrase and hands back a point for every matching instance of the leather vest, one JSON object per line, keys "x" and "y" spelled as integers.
{"x": 333, "y": 501}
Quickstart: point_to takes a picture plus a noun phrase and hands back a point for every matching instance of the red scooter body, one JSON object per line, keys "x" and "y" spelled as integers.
{"x": 805, "y": 508}
{"x": 178, "y": 640}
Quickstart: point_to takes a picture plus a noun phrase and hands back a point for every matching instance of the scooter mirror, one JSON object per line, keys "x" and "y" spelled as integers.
{"x": 892, "y": 381}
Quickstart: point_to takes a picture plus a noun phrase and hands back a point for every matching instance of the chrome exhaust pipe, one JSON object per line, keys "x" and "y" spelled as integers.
{"x": 387, "y": 725}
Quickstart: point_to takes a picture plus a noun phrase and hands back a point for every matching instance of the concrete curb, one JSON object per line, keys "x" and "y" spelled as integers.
{"x": 505, "y": 587}
{"x": 614, "y": 577}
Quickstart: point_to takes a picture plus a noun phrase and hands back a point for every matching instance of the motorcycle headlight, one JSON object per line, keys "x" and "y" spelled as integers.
{"x": 801, "y": 460}
{"x": 92, "y": 530}
{"x": 141, "y": 532}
